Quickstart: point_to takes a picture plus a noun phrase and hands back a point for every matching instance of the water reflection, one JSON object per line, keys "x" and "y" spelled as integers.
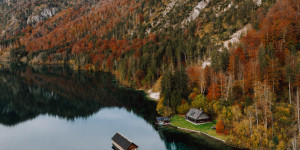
{"x": 52, "y": 94}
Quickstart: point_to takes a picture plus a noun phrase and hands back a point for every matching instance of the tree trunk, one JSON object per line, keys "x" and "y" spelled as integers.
{"x": 202, "y": 82}
{"x": 228, "y": 87}
{"x": 185, "y": 56}
{"x": 290, "y": 97}
{"x": 298, "y": 110}
{"x": 250, "y": 123}
{"x": 294, "y": 143}
{"x": 256, "y": 114}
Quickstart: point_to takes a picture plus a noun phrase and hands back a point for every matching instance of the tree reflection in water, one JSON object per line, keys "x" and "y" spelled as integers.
{"x": 26, "y": 92}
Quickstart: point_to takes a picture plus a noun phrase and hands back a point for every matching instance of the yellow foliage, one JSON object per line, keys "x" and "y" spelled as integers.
{"x": 281, "y": 145}
{"x": 208, "y": 28}
{"x": 71, "y": 62}
{"x": 225, "y": 25}
{"x": 216, "y": 107}
{"x": 183, "y": 108}
{"x": 255, "y": 139}
{"x": 76, "y": 67}
{"x": 237, "y": 114}
{"x": 163, "y": 110}
{"x": 157, "y": 85}
{"x": 160, "y": 106}
{"x": 271, "y": 144}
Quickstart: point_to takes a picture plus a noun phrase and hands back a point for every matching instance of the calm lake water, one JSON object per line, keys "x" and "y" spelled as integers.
{"x": 56, "y": 108}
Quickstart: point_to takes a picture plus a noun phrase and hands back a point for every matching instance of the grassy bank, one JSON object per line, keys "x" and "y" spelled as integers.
{"x": 178, "y": 121}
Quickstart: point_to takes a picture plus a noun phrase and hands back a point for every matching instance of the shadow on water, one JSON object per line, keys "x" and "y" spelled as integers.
{"x": 27, "y": 91}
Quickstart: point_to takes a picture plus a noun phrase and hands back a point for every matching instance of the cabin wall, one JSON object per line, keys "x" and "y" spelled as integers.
{"x": 117, "y": 146}
{"x": 198, "y": 121}
{"x": 132, "y": 147}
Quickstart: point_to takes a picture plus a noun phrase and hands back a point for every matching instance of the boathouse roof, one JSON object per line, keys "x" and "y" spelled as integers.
{"x": 165, "y": 119}
{"x": 122, "y": 141}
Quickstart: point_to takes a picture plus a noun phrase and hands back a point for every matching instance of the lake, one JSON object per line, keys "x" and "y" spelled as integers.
{"x": 56, "y": 108}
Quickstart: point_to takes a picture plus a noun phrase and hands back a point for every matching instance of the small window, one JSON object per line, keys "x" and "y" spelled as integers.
{"x": 192, "y": 114}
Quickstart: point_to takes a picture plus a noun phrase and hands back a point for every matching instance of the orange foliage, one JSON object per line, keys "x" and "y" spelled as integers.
{"x": 226, "y": 131}
{"x": 214, "y": 92}
{"x": 220, "y": 127}
{"x": 193, "y": 74}
{"x": 192, "y": 96}
{"x": 183, "y": 101}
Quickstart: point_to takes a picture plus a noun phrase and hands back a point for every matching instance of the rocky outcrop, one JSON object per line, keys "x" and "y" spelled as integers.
{"x": 196, "y": 11}
{"x": 37, "y": 59}
{"x": 46, "y": 13}
{"x": 6, "y": 1}
{"x": 4, "y": 56}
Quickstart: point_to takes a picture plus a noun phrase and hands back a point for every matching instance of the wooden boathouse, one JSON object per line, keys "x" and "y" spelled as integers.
{"x": 119, "y": 142}
{"x": 163, "y": 121}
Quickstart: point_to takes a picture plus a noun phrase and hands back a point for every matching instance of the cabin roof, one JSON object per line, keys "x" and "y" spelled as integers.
{"x": 122, "y": 141}
{"x": 196, "y": 114}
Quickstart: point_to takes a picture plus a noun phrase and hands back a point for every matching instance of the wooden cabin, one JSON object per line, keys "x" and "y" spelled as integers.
{"x": 197, "y": 116}
{"x": 119, "y": 142}
{"x": 162, "y": 120}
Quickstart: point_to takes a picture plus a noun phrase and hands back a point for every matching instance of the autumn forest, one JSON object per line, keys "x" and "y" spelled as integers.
{"x": 239, "y": 60}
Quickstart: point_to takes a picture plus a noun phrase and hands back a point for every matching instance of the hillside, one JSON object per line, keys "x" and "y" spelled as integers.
{"x": 109, "y": 33}
{"x": 239, "y": 57}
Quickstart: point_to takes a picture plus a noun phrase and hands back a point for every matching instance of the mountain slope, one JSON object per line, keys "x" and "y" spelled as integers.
{"x": 236, "y": 59}
{"x": 94, "y": 28}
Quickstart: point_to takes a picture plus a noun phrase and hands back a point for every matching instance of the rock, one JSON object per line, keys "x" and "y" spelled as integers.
{"x": 5, "y": 57}
{"x": 24, "y": 60}
{"x": 46, "y": 13}
{"x": 37, "y": 59}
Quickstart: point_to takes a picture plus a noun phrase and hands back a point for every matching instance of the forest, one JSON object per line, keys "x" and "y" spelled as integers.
{"x": 251, "y": 87}
{"x": 252, "y": 90}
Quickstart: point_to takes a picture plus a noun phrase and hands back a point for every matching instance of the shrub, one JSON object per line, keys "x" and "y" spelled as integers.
{"x": 192, "y": 96}
{"x": 17, "y": 54}
{"x": 183, "y": 108}
{"x": 220, "y": 127}
{"x": 199, "y": 102}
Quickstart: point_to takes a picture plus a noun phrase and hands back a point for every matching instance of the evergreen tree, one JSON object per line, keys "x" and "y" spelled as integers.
{"x": 167, "y": 87}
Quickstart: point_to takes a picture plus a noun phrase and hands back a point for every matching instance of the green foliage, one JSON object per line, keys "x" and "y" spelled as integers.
{"x": 248, "y": 101}
{"x": 183, "y": 108}
{"x": 206, "y": 128}
{"x": 162, "y": 109}
{"x": 275, "y": 140}
{"x": 167, "y": 86}
{"x": 174, "y": 88}
{"x": 199, "y": 102}
{"x": 220, "y": 60}
{"x": 17, "y": 54}
{"x": 283, "y": 114}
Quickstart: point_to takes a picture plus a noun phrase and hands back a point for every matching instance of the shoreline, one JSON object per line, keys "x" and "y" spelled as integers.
{"x": 147, "y": 92}
{"x": 194, "y": 132}
{"x": 185, "y": 129}
{"x": 200, "y": 132}
{"x": 207, "y": 135}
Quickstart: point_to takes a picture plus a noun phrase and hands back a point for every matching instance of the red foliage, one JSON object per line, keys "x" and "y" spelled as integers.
{"x": 214, "y": 92}
{"x": 192, "y": 96}
{"x": 140, "y": 18}
{"x": 239, "y": 52}
{"x": 226, "y": 131}
{"x": 220, "y": 127}
{"x": 152, "y": 37}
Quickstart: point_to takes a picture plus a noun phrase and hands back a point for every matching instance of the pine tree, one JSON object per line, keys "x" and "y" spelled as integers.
{"x": 167, "y": 87}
